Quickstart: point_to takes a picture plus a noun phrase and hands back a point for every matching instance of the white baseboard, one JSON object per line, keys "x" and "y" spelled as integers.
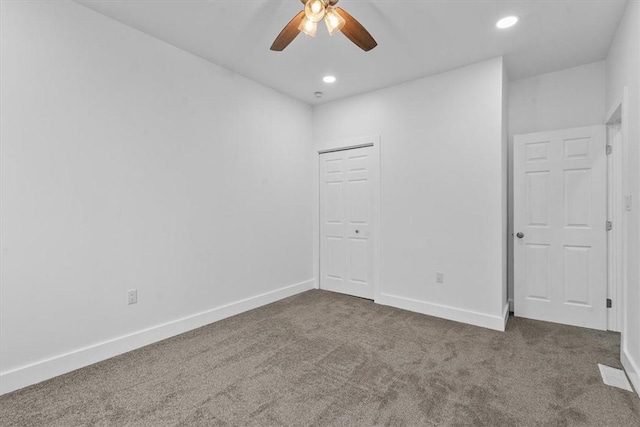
{"x": 61, "y": 364}
{"x": 450, "y": 313}
{"x": 632, "y": 368}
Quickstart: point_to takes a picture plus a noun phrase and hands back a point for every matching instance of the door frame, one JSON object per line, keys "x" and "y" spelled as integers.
{"x": 376, "y": 239}
{"x": 617, "y": 188}
{"x": 620, "y": 113}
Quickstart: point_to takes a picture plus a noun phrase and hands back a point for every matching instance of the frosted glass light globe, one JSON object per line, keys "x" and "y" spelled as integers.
{"x": 314, "y": 10}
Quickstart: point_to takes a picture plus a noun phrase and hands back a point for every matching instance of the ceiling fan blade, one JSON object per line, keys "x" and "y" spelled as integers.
{"x": 288, "y": 33}
{"x": 356, "y": 32}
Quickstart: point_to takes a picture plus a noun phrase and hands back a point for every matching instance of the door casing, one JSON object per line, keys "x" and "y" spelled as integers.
{"x": 618, "y": 176}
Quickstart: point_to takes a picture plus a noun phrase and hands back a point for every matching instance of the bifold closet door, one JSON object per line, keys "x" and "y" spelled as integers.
{"x": 347, "y": 198}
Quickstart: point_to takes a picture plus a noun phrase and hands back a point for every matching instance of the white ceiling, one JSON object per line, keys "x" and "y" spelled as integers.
{"x": 415, "y": 38}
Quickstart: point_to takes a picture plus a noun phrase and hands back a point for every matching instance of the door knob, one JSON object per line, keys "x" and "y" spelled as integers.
{"x": 357, "y": 231}
{"x": 520, "y": 235}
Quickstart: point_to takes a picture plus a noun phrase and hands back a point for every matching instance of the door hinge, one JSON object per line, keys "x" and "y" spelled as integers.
{"x": 609, "y": 149}
{"x": 609, "y": 225}
{"x": 609, "y": 303}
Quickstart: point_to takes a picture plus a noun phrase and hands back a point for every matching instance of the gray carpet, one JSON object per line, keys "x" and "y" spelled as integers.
{"x": 320, "y": 358}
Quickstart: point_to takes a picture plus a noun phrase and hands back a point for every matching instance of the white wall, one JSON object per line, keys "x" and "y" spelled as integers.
{"x": 127, "y": 163}
{"x": 623, "y": 71}
{"x": 569, "y": 98}
{"x": 442, "y": 180}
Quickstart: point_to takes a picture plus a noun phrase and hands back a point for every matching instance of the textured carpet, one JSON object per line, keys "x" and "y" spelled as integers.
{"x": 321, "y": 358}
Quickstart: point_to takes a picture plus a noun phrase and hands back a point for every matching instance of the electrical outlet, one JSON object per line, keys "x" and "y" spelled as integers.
{"x": 439, "y": 277}
{"x": 132, "y": 296}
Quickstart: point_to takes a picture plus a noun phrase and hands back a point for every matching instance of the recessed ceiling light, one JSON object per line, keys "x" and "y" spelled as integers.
{"x": 507, "y": 22}
{"x": 329, "y": 79}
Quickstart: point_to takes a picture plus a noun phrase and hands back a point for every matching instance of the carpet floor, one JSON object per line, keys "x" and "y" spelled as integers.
{"x": 321, "y": 358}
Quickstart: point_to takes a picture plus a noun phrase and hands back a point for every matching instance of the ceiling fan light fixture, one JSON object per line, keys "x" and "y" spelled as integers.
{"x": 315, "y": 10}
{"x": 334, "y": 21}
{"x": 308, "y": 27}
{"x": 337, "y": 19}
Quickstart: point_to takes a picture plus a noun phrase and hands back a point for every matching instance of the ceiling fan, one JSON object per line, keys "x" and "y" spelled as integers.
{"x": 335, "y": 18}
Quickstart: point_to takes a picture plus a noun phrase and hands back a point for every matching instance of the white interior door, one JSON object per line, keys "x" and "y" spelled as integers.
{"x": 348, "y": 197}
{"x": 560, "y": 214}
